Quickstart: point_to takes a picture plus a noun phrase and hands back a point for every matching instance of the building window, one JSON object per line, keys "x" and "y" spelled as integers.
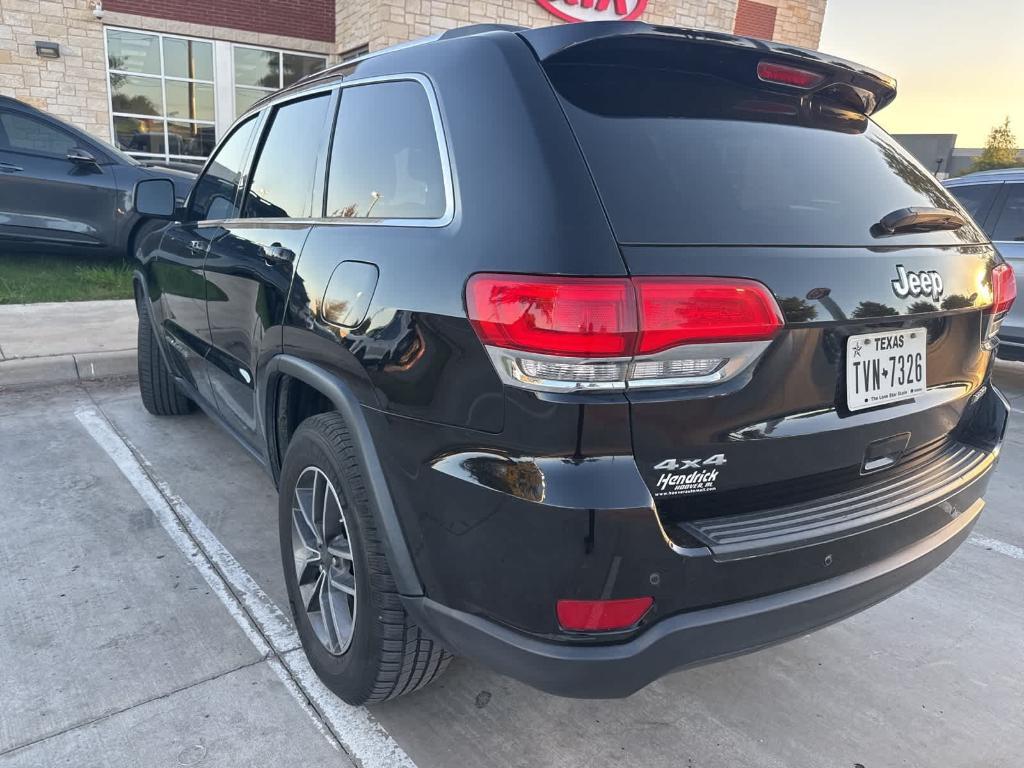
{"x": 755, "y": 20}
{"x": 161, "y": 94}
{"x": 354, "y": 53}
{"x": 261, "y": 71}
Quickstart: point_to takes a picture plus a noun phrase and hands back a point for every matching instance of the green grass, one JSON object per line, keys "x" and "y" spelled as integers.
{"x": 29, "y": 278}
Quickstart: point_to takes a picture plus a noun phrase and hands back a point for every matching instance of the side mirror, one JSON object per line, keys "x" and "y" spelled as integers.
{"x": 155, "y": 198}
{"x": 80, "y": 156}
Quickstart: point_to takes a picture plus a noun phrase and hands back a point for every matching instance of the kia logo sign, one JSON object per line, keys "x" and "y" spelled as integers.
{"x": 594, "y": 10}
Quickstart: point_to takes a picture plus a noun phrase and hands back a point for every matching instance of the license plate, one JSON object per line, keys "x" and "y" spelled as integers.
{"x": 885, "y": 367}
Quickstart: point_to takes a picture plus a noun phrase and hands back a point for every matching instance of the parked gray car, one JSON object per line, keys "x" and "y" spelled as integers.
{"x": 62, "y": 190}
{"x": 995, "y": 199}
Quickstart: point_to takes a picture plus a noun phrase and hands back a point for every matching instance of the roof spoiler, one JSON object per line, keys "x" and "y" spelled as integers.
{"x": 872, "y": 90}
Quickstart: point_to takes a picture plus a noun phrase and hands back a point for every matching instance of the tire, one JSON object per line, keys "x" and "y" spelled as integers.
{"x": 160, "y": 393}
{"x": 386, "y": 655}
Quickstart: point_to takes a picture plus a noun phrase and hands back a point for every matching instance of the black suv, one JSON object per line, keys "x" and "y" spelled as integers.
{"x": 589, "y": 352}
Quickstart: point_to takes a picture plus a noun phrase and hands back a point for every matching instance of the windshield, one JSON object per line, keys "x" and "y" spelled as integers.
{"x": 685, "y": 156}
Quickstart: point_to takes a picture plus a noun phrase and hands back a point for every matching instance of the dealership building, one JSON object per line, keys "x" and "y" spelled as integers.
{"x": 165, "y": 78}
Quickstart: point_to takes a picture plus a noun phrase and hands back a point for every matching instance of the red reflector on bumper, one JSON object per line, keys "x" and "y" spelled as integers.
{"x": 602, "y": 615}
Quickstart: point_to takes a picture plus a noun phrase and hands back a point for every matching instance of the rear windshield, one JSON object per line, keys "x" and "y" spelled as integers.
{"x": 682, "y": 155}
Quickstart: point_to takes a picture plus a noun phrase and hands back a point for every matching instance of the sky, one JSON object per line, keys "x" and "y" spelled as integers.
{"x": 959, "y": 65}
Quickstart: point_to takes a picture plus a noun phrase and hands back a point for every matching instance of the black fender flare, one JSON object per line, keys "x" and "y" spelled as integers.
{"x": 348, "y": 405}
{"x": 140, "y": 292}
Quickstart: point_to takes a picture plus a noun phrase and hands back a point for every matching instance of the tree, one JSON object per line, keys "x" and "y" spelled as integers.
{"x": 1000, "y": 150}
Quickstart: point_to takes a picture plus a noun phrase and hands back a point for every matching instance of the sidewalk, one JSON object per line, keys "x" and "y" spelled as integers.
{"x": 66, "y": 342}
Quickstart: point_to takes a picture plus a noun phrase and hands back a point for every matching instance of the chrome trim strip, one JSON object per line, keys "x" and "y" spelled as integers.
{"x": 506, "y": 364}
{"x": 739, "y": 355}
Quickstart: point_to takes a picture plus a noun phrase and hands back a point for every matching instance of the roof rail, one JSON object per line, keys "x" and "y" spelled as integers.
{"x": 451, "y": 34}
{"x": 995, "y": 174}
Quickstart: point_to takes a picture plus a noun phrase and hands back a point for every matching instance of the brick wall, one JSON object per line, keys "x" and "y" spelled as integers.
{"x": 755, "y": 20}
{"x": 380, "y": 23}
{"x": 309, "y": 19}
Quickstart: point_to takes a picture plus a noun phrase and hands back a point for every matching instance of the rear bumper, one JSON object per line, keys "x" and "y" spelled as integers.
{"x": 687, "y": 639}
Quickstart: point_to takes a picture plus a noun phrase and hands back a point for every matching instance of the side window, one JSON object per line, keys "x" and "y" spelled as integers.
{"x": 1010, "y": 225}
{"x": 27, "y": 134}
{"x": 385, "y": 161}
{"x": 216, "y": 190}
{"x": 282, "y": 182}
{"x": 977, "y": 199}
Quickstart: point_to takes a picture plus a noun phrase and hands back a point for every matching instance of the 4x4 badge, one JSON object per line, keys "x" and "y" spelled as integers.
{"x": 914, "y": 284}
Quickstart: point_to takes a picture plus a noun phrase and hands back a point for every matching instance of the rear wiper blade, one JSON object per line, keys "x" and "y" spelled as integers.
{"x": 918, "y": 219}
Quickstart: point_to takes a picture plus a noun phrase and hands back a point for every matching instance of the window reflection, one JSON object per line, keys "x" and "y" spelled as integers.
{"x": 773, "y": 168}
{"x": 217, "y": 189}
{"x": 153, "y": 78}
{"x": 385, "y": 161}
{"x": 282, "y": 181}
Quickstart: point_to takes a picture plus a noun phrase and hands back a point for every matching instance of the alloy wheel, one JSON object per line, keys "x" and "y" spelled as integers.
{"x": 324, "y": 567}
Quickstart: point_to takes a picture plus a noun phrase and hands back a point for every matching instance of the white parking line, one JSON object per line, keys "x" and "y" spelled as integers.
{"x": 1010, "y": 550}
{"x": 262, "y": 621}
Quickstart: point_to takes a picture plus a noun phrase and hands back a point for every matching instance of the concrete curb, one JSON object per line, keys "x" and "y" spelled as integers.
{"x": 67, "y": 369}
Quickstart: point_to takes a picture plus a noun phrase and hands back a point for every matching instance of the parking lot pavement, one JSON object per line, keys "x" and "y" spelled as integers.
{"x": 113, "y": 648}
{"x": 112, "y": 644}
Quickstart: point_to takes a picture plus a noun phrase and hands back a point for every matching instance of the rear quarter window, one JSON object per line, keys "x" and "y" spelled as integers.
{"x": 688, "y": 156}
{"x": 385, "y": 156}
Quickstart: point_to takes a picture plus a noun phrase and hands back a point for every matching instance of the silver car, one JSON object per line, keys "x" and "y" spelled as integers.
{"x": 995, "y": 199}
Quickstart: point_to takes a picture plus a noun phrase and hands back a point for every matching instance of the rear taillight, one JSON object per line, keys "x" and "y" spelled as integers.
{"x": 553, "y": 315}
{"x": 564, "y": 333}
{"x": 601, "y": 615}
{"x": 784, "y": 74}
{"x": 698, "y": 310}
{"x": 1004, "y": 289}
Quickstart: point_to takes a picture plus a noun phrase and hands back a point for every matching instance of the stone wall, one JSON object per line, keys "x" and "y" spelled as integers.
{"x": 381, "y": 23}
{"x": 799, "y": 21}
{"x": 73, "y": 87}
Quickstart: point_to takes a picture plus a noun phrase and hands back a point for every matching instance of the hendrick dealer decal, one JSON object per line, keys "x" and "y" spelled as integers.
{"x": 685, "y": 476}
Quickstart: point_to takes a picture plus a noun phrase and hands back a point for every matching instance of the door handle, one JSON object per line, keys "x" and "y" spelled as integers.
{"x": 275, "y": 252}
{"x": 8, "y": 168}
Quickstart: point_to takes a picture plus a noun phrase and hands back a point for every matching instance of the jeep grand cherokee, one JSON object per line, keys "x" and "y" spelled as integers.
{"x": 589, "y": 352}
